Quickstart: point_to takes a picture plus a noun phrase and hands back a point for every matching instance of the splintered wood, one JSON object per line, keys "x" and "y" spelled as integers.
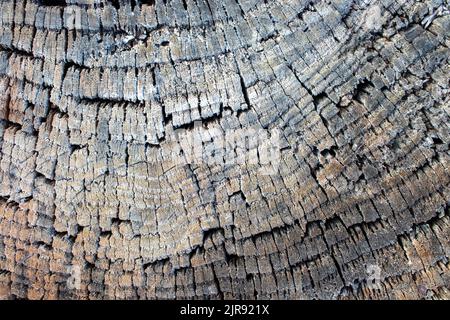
{"x": 107, "y": 109}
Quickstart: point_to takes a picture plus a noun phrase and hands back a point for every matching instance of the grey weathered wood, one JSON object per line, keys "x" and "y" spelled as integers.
{"x": 98, "y": 101}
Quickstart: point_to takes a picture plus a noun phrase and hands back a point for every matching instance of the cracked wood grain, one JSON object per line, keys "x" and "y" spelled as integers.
{"x": 101, "y": 100}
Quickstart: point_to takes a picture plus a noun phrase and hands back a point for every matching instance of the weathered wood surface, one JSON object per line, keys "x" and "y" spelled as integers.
{"x": 94, "y": 98}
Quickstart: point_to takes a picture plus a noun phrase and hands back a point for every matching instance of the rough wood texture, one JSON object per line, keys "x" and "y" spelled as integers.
{"x": 96, "y": 97}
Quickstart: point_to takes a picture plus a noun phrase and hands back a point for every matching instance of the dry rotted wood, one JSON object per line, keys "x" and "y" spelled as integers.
{"x": 99, "y": 102}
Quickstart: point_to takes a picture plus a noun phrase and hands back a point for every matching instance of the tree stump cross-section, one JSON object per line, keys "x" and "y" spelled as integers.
{"x": 224, "y": 149}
